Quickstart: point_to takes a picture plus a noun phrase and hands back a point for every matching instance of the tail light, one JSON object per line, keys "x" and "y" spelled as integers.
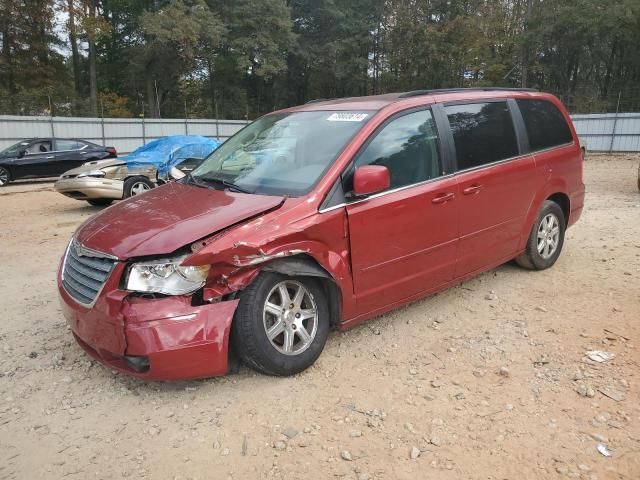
{"x": 112, "y": 151}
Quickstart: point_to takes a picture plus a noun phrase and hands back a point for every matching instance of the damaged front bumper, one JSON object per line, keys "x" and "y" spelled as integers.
{"x": 153, "y": 338}
{"x": 89, "y": 188}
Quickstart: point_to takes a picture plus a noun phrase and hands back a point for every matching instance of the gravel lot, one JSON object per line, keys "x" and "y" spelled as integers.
{"x": 487, "y": 380}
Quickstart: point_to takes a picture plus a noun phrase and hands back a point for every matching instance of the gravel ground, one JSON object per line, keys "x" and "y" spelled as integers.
{"x": 488, "y": 380}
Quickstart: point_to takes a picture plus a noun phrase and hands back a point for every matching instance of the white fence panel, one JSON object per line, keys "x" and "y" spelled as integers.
{"x": 608, "y": 132}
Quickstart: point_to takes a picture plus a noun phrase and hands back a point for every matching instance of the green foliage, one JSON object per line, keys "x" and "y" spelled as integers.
{"x": 246, "y": 57}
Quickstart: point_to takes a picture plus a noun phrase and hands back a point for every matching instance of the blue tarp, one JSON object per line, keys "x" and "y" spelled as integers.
{"x": 167, "y": 152}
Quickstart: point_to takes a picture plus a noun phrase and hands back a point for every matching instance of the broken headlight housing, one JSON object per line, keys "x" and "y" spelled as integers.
{"x": 92, "y": 173}
{"x": 166, "y": 276}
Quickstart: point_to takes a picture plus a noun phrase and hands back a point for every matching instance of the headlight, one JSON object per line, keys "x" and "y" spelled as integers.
{"x": 166, "y": 276}
{"x": 92, "y": 173}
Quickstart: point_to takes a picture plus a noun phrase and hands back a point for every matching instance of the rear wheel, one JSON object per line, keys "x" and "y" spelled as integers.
{"x": 136, "y": 185}
{"x": 546, "y": 238}
{"x": 5, "y": 177}
{"x": 281, "y": 324}
{"x": 100, "y": 202}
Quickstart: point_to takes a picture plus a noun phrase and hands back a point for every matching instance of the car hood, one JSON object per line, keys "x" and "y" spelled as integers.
{"x": 94, "y": 165}
{"x": 168, "y": 217}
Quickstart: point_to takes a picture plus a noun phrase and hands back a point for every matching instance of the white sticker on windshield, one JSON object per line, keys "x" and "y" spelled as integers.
{"x": 347, "y": 117}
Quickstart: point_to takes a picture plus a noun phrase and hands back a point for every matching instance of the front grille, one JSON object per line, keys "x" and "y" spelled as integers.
{"x": 84, "y": 273}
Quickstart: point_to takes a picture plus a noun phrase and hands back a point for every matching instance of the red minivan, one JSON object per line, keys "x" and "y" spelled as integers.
{"x": 319, "y": 217}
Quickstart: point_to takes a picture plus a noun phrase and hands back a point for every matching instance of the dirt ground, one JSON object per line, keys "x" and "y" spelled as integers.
{"x": 487, "y": 380}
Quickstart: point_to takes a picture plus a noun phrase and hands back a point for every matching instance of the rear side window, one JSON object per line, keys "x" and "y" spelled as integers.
{"x": 546, "y": 126}
{"x": 67, "y": 145}
{"x": 483, "y": 133}
{"x": 408, "y": 147}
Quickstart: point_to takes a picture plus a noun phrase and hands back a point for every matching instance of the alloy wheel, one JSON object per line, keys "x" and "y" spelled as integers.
{"x": 290, "y": 317}
{"x": 548, "y": 236}
{"x": 138, "y": 188}
{"x": 4, "y": 177}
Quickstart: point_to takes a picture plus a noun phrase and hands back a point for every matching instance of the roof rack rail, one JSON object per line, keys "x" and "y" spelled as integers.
{"x": 415, "y": 93}
{"x": 316, "y": 100}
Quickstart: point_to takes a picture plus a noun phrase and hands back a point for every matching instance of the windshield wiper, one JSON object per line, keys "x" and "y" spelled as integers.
{"x": 191, "y": 180}
{"x": 225, "y": 183}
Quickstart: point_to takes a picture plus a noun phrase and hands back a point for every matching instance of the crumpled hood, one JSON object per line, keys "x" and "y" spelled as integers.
{"x": 94, "y": 165}
{"x": 168, "y": 217}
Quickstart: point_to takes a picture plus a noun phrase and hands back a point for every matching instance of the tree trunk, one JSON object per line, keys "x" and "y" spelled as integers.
{"x": 93, "y": 78}
{"x": 75, "y": 56}
{"x": 212, "y": 89}
{"x": 151, "y": 95}
{"x": 525, "y": 47}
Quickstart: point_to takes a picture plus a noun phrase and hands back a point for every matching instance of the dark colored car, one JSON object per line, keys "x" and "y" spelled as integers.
{"x": 318, "y": 217}
{"x": 48, "y": 157}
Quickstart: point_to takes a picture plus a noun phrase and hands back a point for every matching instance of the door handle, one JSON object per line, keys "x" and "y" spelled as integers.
{"x": 475, "y": 188}
{"x": 443, "y": 198}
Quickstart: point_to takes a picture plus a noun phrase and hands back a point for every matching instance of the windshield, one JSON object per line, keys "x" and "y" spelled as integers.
{"x": 282, "y": 153}
{"x": 14, "y": 148}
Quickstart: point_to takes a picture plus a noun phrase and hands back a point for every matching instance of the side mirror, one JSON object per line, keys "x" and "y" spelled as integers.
{"x": 21, "y": 153}
{"x": 370, "y": 179}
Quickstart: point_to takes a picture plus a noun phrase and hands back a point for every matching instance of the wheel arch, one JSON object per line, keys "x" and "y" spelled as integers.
{"x": 563, "y": 201}
{"x": 304, "y": 265}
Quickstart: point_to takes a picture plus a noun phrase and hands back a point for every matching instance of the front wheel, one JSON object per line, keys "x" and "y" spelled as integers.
{"x": 281, "y": 324}
{"x": 546, "y": 238}
{"x": 5, "y": 177}
{"x": 136, "y": 185}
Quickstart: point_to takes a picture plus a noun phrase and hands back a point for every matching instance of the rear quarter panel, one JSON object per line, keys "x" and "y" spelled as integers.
{"x": 560, "y": 169}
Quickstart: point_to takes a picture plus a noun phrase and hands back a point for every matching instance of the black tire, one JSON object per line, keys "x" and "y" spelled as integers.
{"x": 5, "y": 177}
{"x": 131, "y": 184}
{"x": 249, "y": 335}
{"x": 532, "y": 258}
{"x": 100, "y": 202}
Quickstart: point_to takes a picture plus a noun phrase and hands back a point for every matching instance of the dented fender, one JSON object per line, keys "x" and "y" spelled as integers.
{"x": 239, "y": 254}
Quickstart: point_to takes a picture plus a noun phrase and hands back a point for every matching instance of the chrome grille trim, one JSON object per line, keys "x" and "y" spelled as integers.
{"x": 84, "y": 273}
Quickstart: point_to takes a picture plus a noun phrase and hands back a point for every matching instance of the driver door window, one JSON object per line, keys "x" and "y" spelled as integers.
{"x": 408, "y": 147}
{"x": 39, "y": 147}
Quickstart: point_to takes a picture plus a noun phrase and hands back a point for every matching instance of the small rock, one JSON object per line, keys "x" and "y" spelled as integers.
{"x": 280, "y": 445}
{"x": 415, "y": 453}
{"x": 346, "y": 455}
{"x": 364, "y": 476}
{"x": 33, "y": 354}
{"x": 438, "y": 422}
{"x": 599, "y": 438}
{"x": 541, "y": 308}
{"x": 413, "y": 371}
{"x": 290, "y": 432}
{"x": 225, "y": 452}
{"x": 504, "y": 372}
{"x": 585, "y": 391}
{"x": 562, "y": 469}
{"x": 153, "y": 431}
{"x": 355, "y": 433}
{"x": 491, "y": 296}
{"x": 435, "y": 440}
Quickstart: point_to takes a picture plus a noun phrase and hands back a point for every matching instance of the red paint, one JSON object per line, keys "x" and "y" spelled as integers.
{"x": 382, "y": 252}
{"x": 167, "y": 218}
